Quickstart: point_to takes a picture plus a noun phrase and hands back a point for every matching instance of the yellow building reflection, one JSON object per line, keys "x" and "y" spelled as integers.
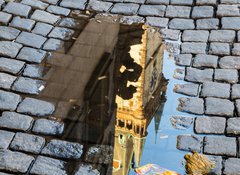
{"x": 138, "y": 97}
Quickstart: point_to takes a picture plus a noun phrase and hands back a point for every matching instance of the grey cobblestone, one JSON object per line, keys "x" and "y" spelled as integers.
{"x": 48, "y": 127}
{"x": 5, "y": 18}
{"x": 14, "y": 161}
{"x": 206, "y": 2}
{"x": 54, "y": 2}
{"x": 63, "y": 149}
{"x": 35, "y": 4}
{"x": 46, "y": 17}
{"x": 233, "y": 126}
{"x": 227, "y": 10}
{"x": 129, "y": 20}
{"x": 182, "y": 2}
{"x": 31, "y": 55}
{"x": 8, "y": 33}
{"x": 213, "y": 89}
{"x": 187, "y": 89}
{"x": 17, "y": 9}
{"x": 99, "y": 6}
{"x": 74, "y": 4}
{"x": 30, "y": 39}
{"x": 22, "y": 23}
{"x": 198, "y": 75}
{"x": 6, "y": 80}
{"x": 183, "y": 59}
{"x": 218, "y": 164}
{"x": 238, "y": 107}
{"x": 152, "y": 10}
{"x": 226, "y": 75}
{"x": 178, "y": 11}
{"x": 164, "y": 2}
{"x": 53, "y": 44}
{"x": 231, "y": 166}
{"x": 210, "y": 23}
{"x": 70, "y": 23}
{"x": 33, "y": 71}
{"x": 202, "y": 60}
{"x": 235, "y": 91}
{"x": 224, "y": 146}
{"x": 210, "y": 125}
{"x": 157, "y": 21}
{"x": 181, "y": 122}
{"x": 222, "y": 36}
{"x": 189, "y": 143}
{"x": 195, "y": 35}
{"x": 219, "y": 49}
{"x": 236, "y": 49}
{"x": 61, "y": 33}
{"x": 181, "y": 24}
{"x": 36, "y": 107}
{"x": 191, "y": 105}
{"x": 125, "y": 8}
{"x": 48, "y": 166}
{"x": 193, "y": 47}
{"x": 221, "y": 107}
{"x": 28, "y": 143}
{"x": 42, "y": 29}
{"x": 9, "y": 49}
{"x": 5, "y": 138}
{"x": 230, "y": 62}
{"x": 170, "y": 34}
{"x": 202, "y": 12}
{"x": 9, "y": 100}
{"x": 58, "y": 10}
{"x": 231, "y": 23}
{"x": 15, "y": 121}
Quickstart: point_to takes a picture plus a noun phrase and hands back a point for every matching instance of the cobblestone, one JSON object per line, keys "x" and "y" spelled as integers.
{"x": 226, "y": 75}
{"x": 230, "y": 62}
{"x": 46, "y": 17}
{"x": 8, "y": 33}
{"x": 61, "y": 33}
{"x": 87, "y": 170}
{"x": 233, "y": 126}
{"x": 213, "y": 89}
{"x": 238, "y": 107}
{"x": 33, "y": 71}
{"x": 202, "y": 12}
{"x": 198, "y": 75}
{"x": 189, "y": 143}
{"x": 193, "y": 47}
{"x": 222, "y": 36}
{"x": 181, "y": 122}
{"x": 28, "y": 143}
{"x": 224, "y": 146}
{"x": 219, "y": 49}
{"x": 125, "y": 8}
{"x": 182, "y": 2}
{"x": 210, "y": 23}
{"x": 187, "y": 89}
{"x": 221, "y": 107}
{"x": 30, "y": 39}
{"x": 48, "y": 166}
{"x": 53, "y": 44}
{"x": 206, "y": 2}
{"x": 58, "y": 10}
{"x": 232, "y": 23}
{"x": 236, "y": 49}
{"x": 178, "y": 12}
{"x": 235, "y": 91}
{"x": 31, "y": 55}
{"x": 15, "y": 121}
{"x": 6, "y": 80}
{"x": 195, "y": 35}
{"x": 181, "y": 24}
{"x": 165, "y": 2}
{"x": 203, "y": 60}
{"x": 152, "y": 10}
{"x": 17, "y": 9}
{"x": 63, "y": 149}
{"x": 5, "y": 18}
{"x": 231, "y": 166}
{"x": 157, "y": 22}
{"x": 9, "y": 49}
{"x": 183, "y": 59}
{"x": 75, "y": 4}
{"x": 48, "y": 127}
{"x": 35, "y": 4}
{"x": 42, "y": 29}
{"x": 129, "y": 20}
{"x": 5, "y": 138}
{"x": 210, "y": 125}
{"x": 227, "y": 10}
{"x": 9, "y": 100}
{"x": 36, "y": 107}
{"x": 170, "y": 34}
{"x": 191, "y": 105}
{"x": 22, "y": 23}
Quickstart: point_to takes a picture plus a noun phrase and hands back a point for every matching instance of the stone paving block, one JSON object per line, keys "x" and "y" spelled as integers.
{"x": 235, "y": 91}
{"x": 210, "y": 23}
{"x": 181, "y": 24}
{"x": 182, "y": 2}
{"x": 181, "y": 122}
{"x": 28, "y": 143}
{"x": 28, "y": 85}
{"x": 58, "y": 10}
{"x": 231, "y": 23}
{"x": 164, "y": 2}
{"x": 236, "y": 49}
{"x": 17, "y": 9}
{"x": 4, "y": 173}
{"x": 63, "y": 149}
{"x": 202, "y": 12}
{"x": 195, "y": 35}
{"x": 45, "y": 17}
{"x": 227, "y": 10}
{"x": 5, "y": 138}
{"x": 152, "y": 10}
{"x": 74, "y": 4}
{"x": 230, "y": 1}
{"x": 8, "y": 33}
{"x": 218, "y": 164}
{"x": 210, "y": 125}
{"x": 35, "y": 4}
{"x": 178, "y": 11}
{"x": 87, "y": 170}
{"x": 13, "y": 120}
{"x": 101, "y": 154}
{"x": 230, "y": 62}
{"x": 206, "y": 2}
{"x": 135, "y": 1}
{"x": 6, "y": 80}
{"x": 31, "y": 55}
{"x": 48, "y": 166}
{"x": 99, "y": 6}
{"x": 53, "y": 44}
{"x": 33, "y": 71}
{"x": 238, "y": 107}
{"x": 48, "y": 127}
{"x": 42, "y": 29}
{"x": 125, "y": 8}
{"x": 71, "y": 23}
{"x": 221, "y": 107}
{"x": 233, "y": 126}
{"x": 222, "y": 36}
{"x": 179, "y": 74}
{"x": 5, "y": 18}
{"x": 222, "y": 146}
{"x": 219, "y": 49}
{"x": 187, "y": 89}
{"x": 238, "y": 36}
{"x": 226, "y": 75}
{"x": 193, "y": 47}
{"x": 157, "y": 22}
{"x": 202, "y": 60}
{"x": 61, "y": 33}
{"x": 213, "y": 89}
{"x": 22, "y": 23}
{"x": 54, "y": 2}
{"x": 9, "y": 100}
{"x": 170, "y": 34}
{"x": 9, "y": 49}
{"x": 129, "y": 20}
{"x": 30, "y": 39}
{"x": 198, "y": 75}
{"x": 191, "y": 105}
{"x": 36, "y": 107}
{"x": 231, "y": 166}
{"x": 189, "y": 143}
{"x": 183, "y": 59}
{"x": 15, "y": 161}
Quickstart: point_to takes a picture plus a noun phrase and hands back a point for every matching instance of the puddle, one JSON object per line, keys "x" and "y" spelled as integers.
{"x": 113, "y": 86}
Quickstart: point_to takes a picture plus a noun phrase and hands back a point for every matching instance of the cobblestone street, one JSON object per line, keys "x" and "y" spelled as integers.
{"x": 32, "y": 30}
